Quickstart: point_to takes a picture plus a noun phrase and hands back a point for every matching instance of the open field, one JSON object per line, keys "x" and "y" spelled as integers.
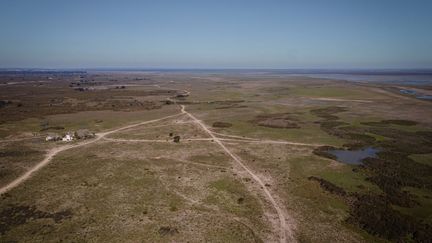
{"x": 220, "y": 158}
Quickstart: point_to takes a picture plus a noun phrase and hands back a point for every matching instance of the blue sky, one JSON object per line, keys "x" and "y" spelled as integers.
{"x": 216, "y": 34}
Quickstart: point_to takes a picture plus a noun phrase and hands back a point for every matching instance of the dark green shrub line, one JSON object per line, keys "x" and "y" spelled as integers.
{"x": 374, "y": 214}
{"x": 391, "y": 171}
{"x": 328, "y": 186}
{"x": 385, "y": 123}
{"x": 15, "y": 215}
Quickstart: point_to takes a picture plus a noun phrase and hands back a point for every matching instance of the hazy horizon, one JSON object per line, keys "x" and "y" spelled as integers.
{"x": 216, "y": 35}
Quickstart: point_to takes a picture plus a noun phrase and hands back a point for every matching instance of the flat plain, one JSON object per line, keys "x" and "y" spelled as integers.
{"x": 193, "y": 157}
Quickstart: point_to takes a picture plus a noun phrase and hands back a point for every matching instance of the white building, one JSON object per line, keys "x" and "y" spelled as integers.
{"x": 67, "y": 138}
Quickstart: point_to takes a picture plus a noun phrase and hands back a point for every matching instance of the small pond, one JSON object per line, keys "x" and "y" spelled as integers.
{"x": 354, "y": 157}
{"x": 407, "y": 91}
{"x": 416, "y": 94}
{"x": 425, "y": 97}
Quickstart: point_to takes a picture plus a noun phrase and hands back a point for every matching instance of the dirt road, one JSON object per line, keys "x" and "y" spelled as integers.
{"x": 51, "y": 153}
{"x": 285, "y": 233}
{"x": 211, "y": 139}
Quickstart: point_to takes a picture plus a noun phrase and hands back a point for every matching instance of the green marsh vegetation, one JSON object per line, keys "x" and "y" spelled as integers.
{"x": 386, "y": 213}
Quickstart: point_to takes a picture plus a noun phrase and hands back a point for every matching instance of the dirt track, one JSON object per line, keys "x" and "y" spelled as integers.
{"x": 51, "y": 153}
{"x": 285, "y": 233}
{"x": 285, "y": 230}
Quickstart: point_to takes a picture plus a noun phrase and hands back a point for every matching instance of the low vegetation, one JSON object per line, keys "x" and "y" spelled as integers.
{"x": 16, "y": 215}
{"x": 328, "y": 186}
{"x": 282, "y": 120}
{"x": 162, "y": 191}
{"x": 391, "y": 171}
{"x": 15, "y": 158}
{"x": 222, "y": 124}
{"x": 391, "y": 122}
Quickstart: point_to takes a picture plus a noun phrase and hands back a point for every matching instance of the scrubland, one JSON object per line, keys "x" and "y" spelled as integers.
{"x": 138, "y": 184}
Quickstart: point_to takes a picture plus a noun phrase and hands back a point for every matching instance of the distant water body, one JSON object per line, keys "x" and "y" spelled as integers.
{"x": 416, "y": 94}
{"x": 413, "y": 77}
{"x": 401, "y": 79}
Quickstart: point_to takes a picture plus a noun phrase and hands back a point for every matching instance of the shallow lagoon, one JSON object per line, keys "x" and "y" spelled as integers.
{"x": 417, "y": 95}
{"x": 354, "y": 157}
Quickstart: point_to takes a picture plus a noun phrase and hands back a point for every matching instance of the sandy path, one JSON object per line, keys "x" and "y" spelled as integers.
{"x": 285, "y": 232}
{"x": 234, "y": 136}
{"x": 52, "y": 152}
{"x": 212, "y": 139}
{"x": 275, "y": 142}
{"x": 264, "y": 141}
{"x": 155, "y": 140}
{"x": 343, "y": 100}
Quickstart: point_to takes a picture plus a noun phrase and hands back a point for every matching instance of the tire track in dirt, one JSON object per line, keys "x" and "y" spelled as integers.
{"x": 54, "y": 151}
{"x": 285, "y": 232}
